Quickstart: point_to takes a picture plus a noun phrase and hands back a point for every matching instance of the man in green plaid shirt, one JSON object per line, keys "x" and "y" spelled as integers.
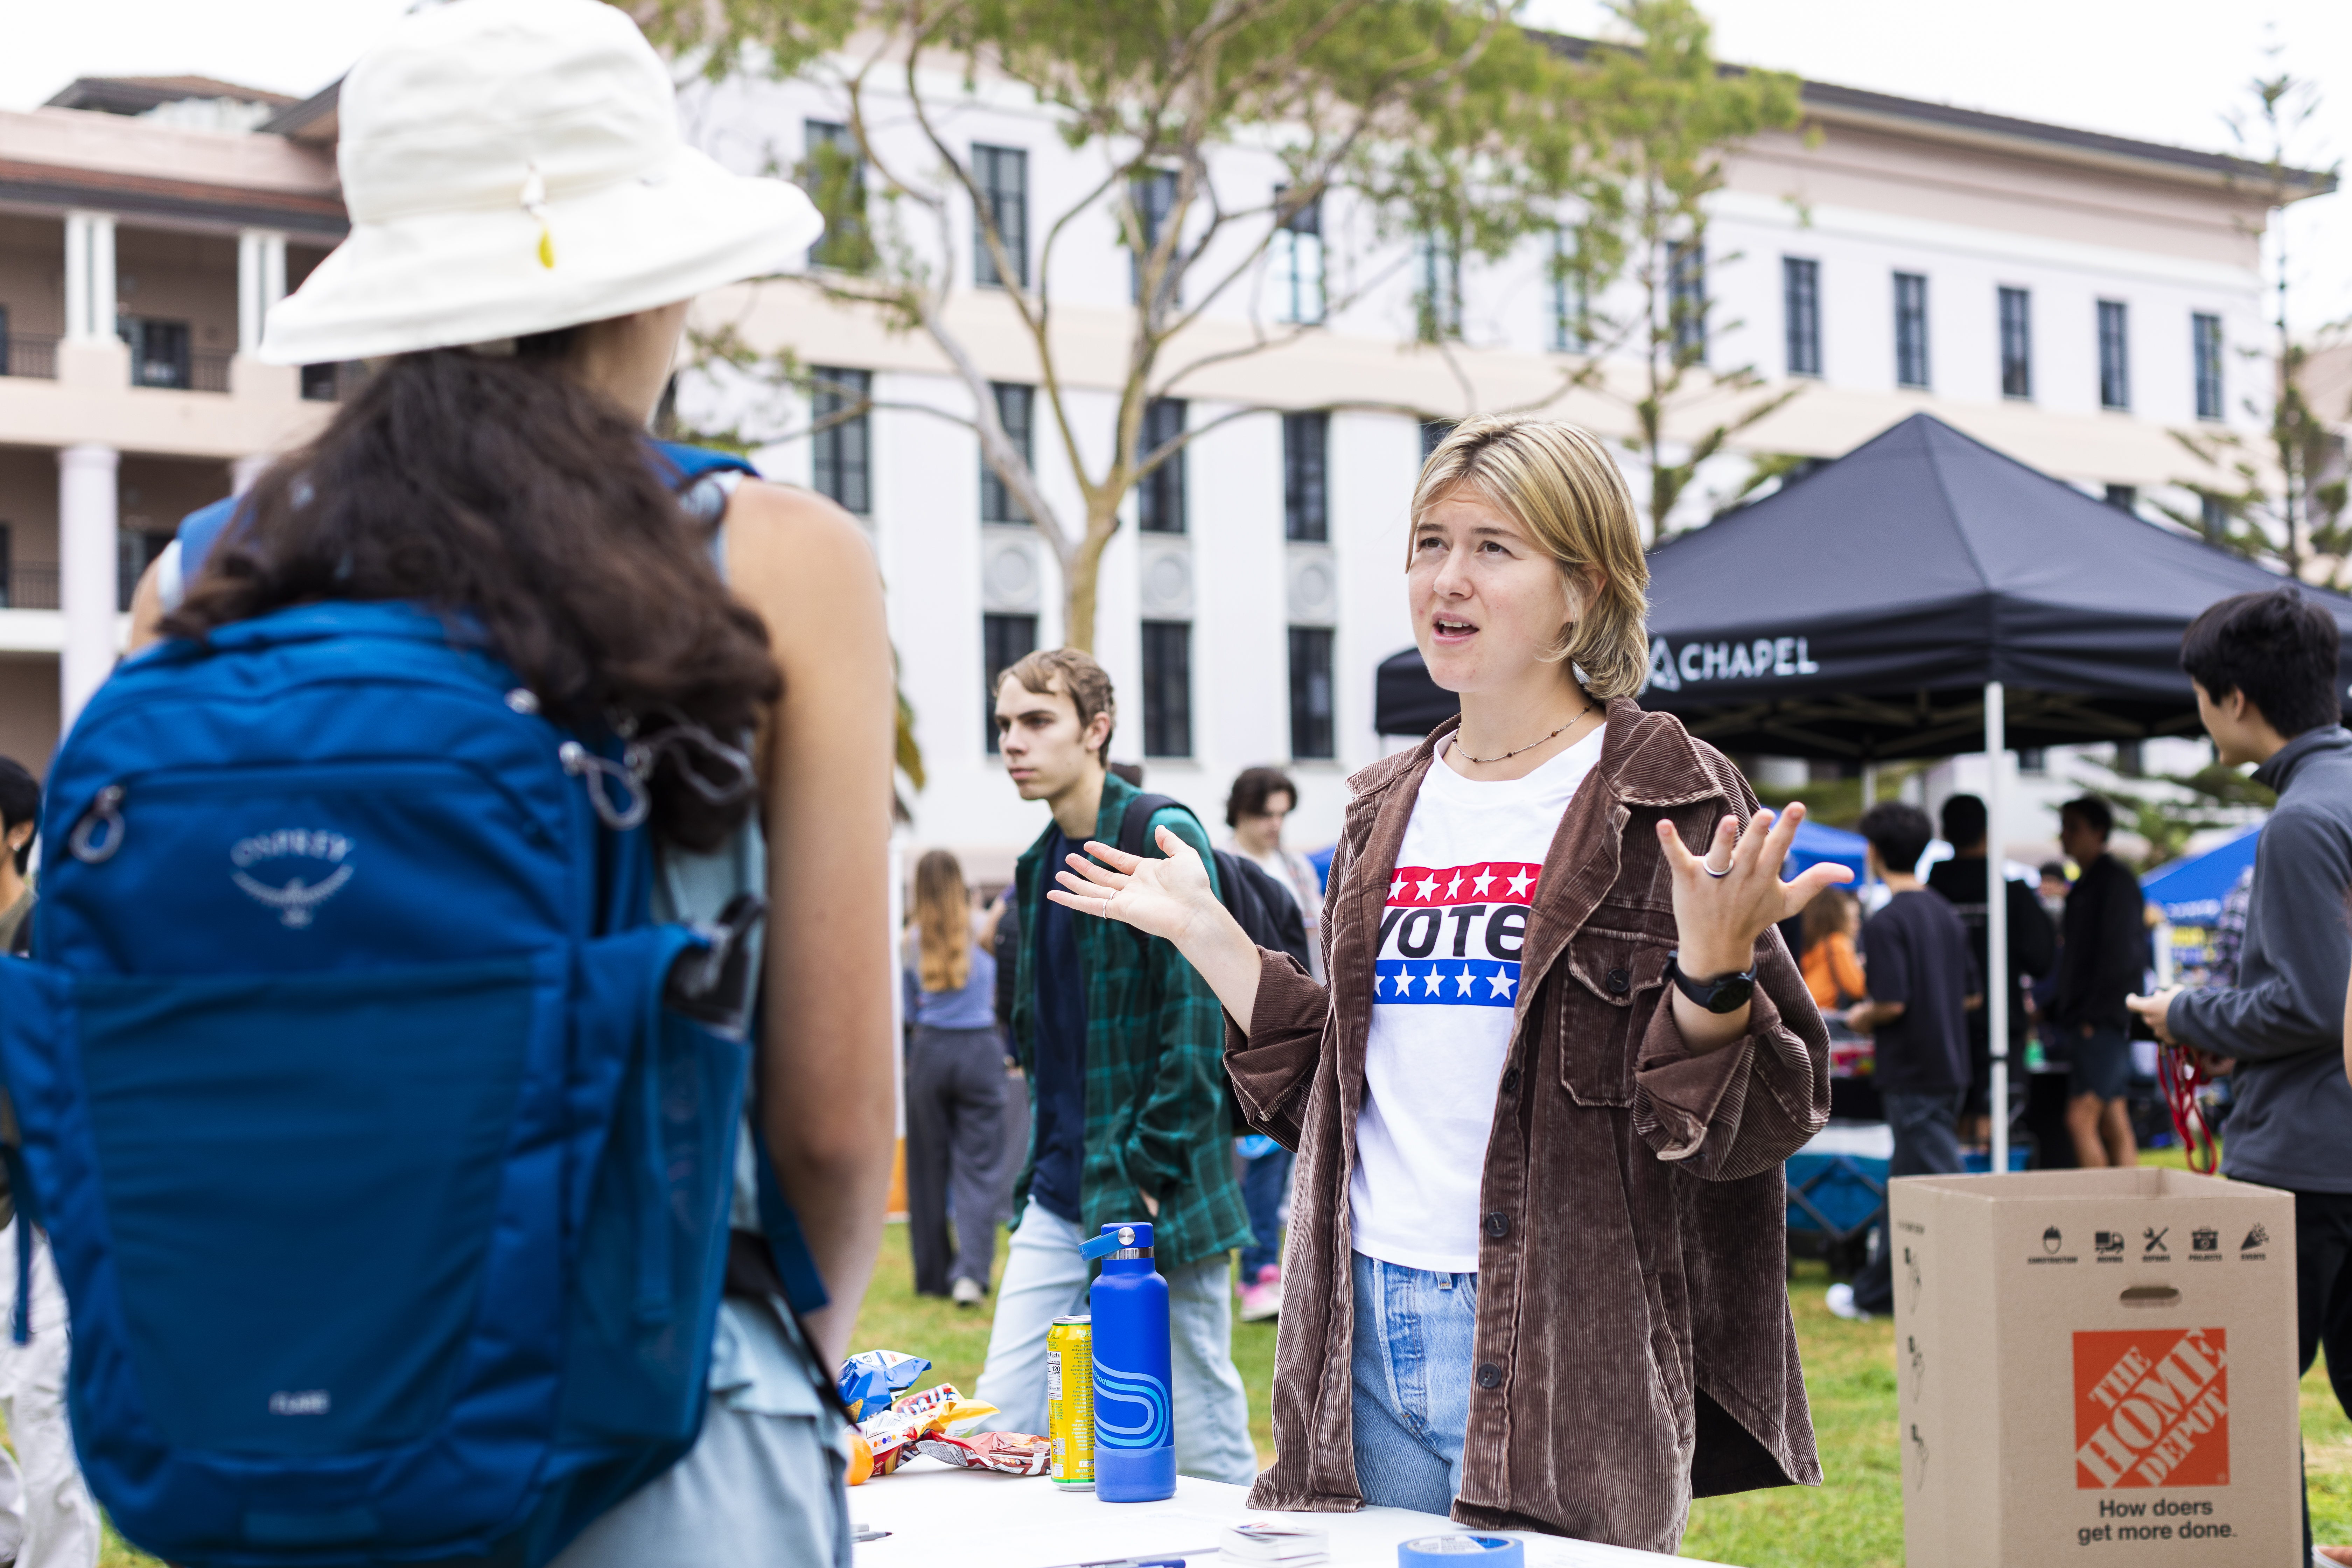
{"x": 1123, "y": 1045}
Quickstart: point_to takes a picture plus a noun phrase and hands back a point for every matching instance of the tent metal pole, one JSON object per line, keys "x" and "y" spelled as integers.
{"x": 1996, "y": 977}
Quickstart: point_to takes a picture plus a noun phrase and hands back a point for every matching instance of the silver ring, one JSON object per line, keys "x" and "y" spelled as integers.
{"x": 1711, "y": 872}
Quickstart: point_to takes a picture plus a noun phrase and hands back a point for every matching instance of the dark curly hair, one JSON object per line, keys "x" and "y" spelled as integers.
{"x": 522, "y": 506}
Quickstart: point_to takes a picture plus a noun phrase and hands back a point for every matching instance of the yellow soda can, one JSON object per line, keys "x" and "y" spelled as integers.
{"x": 1070, "y": 1401}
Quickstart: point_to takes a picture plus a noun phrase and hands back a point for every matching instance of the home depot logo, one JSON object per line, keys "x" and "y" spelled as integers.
{"x": 2151, "y": 1408}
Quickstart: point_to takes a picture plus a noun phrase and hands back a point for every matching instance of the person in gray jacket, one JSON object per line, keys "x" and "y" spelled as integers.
{"x": 2265, "y": 668}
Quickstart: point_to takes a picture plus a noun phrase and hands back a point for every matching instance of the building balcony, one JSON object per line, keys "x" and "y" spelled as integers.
{"x": 29, "y": 354}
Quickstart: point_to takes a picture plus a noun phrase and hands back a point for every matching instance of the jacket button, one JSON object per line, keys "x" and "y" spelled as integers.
{"x": 1619, "y": 982}
{"x": 1490, "y": 1375}
{"x": 1499, "y": 1225}
{"x": 1511, "y": 1081}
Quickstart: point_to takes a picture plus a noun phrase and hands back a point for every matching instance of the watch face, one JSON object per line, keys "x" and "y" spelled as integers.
{"x": 1730, "y": 995}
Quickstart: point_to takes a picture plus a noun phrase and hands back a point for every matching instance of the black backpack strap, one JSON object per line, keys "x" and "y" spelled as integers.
{"x": 1135, "y": 823}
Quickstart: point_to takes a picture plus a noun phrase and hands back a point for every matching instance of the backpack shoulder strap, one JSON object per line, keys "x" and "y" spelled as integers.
{"x": 1135, "y": 823}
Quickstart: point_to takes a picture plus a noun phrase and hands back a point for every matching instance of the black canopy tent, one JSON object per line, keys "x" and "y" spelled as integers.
{"x": 1922, "y": 595}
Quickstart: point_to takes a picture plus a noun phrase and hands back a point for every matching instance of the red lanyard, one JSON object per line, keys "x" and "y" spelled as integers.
{"x": 2178, "y": 1072}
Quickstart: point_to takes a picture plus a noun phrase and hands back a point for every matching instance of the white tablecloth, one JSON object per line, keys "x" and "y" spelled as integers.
{"x": 940, "y": 1517}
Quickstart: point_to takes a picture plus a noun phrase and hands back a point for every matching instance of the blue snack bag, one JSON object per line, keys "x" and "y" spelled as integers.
{"x": 871, "y": 1381}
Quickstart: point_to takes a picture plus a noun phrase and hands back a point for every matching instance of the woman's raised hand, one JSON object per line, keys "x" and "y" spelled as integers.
{"x": 1726, "y": 898}
{"x": 1166, "y": 897}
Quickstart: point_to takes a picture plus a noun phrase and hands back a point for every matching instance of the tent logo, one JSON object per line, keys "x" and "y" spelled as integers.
{"x": 1764, "y": 658}
{"x": 2151, "y": 1408}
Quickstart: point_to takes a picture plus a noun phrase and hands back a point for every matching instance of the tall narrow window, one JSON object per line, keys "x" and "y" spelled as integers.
{"x": 1686, "y": 298}
{"x": 1297, "y": 252}
{"x": 1437, "y": 292}
{"x": 1306, "y": 477}
{"x": 1166, "y": 689}
{"x": 1910, "y": 330}
{"x": 1154, "y": 194}
{"x": 1159, "y": 494}
{"x": 1434, "y": 432}
{"x": 2214, "y": 514}
{"x": 1800, "y": 309}
{"x": 2016, "y": 343}
{"x": 1571, "y": 298}
{"x": 2115, "y": 356}
{"x": 1004, "y": 641}
{"x": 1003, "y": 175}
{"x": 2205, "y": 332}
{"x": 835, "y": 176}
{"x": 1310, "y": 691}
{"x": 842, "y": 465}
{"x": 1014, "y": 406}
{"x": 8, "y": 599}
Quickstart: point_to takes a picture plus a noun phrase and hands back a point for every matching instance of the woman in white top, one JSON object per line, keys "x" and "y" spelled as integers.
{"x": 1533, "y": 1263}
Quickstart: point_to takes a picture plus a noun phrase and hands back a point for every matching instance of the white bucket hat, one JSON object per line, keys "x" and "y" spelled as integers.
{"x": 514, "y": 166}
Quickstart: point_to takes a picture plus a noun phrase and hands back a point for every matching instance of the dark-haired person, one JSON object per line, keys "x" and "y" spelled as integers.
{"x": 20, "y": 818}
{"x": 45, "y": 1507}
{"x": 494, "y": 465}
{"x": 1914, "y": 956}
{"x": 2101, "y": 960}
{"x": 2269, "y": 690}
{"x": 2032, "y": 948}
{"x": 1260, "y": 802}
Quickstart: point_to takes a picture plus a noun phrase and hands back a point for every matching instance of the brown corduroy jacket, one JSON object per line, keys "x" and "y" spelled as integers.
{"x": 1635, "y": 1348}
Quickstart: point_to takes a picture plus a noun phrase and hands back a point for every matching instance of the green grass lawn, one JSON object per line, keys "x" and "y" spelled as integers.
{"x": 1853, "y": 1521}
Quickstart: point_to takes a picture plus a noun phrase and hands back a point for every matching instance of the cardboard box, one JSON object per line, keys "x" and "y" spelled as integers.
{"x": 2095, "y": 1367}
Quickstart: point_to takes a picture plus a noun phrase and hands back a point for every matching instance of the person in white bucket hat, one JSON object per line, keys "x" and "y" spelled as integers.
{"x": 527, "y": 228}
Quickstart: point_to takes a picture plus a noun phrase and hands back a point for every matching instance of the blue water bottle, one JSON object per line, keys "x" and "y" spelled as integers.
{"x": 1135, "y": 1419}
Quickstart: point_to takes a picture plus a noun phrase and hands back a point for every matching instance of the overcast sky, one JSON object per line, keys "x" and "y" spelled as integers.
{"x": 2165, "y": 70}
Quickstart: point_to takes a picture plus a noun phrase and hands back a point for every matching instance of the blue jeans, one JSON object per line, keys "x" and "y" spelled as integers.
{"x": 1414, "y": 1344}
{"x": 1926, "y": 1144}
{"x": 1266, "y": 1183}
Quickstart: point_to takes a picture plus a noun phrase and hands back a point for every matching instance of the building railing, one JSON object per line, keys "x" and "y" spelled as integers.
{"x": 332, "y": 383}
{"x": 25, "y": 354}
{"x": 29, "y": 587}
{"x": 188, "y": 373}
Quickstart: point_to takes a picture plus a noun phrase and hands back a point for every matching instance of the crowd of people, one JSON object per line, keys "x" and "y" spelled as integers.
{"x": 1522, "y": 1071}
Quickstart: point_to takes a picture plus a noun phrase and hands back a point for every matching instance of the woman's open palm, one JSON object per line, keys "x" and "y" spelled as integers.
{"x": 1159, "y": 898}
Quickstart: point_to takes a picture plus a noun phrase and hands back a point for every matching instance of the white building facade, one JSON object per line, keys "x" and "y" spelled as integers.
{"x": 2069, "y": 298}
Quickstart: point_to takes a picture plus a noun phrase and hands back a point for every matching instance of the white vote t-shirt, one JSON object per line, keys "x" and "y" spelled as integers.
{"x": 1447, "y": 980}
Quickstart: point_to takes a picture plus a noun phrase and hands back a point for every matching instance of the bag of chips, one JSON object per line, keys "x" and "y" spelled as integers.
{"x": 1008, "y": 1453}
{"x": 871, "y": 1381}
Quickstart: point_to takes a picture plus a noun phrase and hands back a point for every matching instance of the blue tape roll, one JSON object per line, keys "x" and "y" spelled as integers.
{"x": 1461, "y": 1552}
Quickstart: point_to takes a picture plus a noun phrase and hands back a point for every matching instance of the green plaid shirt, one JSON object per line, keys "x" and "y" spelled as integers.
{"x": 1156, "y": 1118}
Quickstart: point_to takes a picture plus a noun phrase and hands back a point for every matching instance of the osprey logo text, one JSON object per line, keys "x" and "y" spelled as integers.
{"x": 301, "y": 1402}
{"x": 296, "y": 897}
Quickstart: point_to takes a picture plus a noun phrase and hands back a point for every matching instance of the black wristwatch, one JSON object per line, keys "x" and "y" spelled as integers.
{"x": 1728, "y": 994}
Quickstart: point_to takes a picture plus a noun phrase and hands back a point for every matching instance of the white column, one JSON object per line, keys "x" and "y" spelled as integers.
{"x": 89, "y": 518}
{"x": 89, "y": 278}
{"x": 260, "y": 283}
{"x": 1996, "y": 976}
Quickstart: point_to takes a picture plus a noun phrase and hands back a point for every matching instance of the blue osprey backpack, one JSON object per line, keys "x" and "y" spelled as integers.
{"x": 384, "y": 1142}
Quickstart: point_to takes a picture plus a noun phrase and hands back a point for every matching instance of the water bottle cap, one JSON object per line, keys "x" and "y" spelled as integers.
{"x": 1131, "y": 1239}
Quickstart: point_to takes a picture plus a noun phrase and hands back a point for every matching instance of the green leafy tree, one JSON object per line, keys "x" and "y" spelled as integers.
{"x": 2277, "y": 506}
{"x": 1433, "y": 118}
{"x": 1666, "y": 112}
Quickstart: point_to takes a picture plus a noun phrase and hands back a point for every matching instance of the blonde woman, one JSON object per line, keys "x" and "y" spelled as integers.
{"x": 1534, "y": 1273}
{"x": 956, "y": 1094}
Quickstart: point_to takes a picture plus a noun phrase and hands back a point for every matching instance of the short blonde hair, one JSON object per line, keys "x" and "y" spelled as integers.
{"x": 1560, "y": 485}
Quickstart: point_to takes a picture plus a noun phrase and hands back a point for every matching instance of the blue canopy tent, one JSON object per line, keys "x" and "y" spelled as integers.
{"x": 1817, "y": 844}
{"x": 2191, "y": 891}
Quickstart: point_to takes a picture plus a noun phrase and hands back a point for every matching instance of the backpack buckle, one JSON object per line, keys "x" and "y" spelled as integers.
{"x": 715, "y": 983}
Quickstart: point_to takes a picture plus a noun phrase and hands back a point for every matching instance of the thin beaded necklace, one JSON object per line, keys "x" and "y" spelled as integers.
{"x": 1531, "y": 745}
